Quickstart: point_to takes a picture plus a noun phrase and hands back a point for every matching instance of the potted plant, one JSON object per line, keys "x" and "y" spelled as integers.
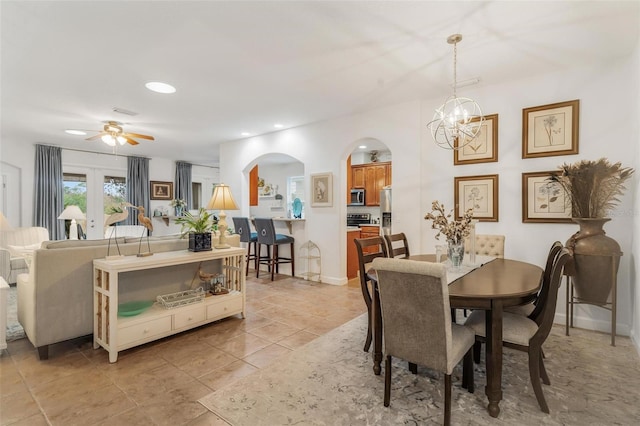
{"x": 593, "y": 188}
{"x": 198, "y": 228}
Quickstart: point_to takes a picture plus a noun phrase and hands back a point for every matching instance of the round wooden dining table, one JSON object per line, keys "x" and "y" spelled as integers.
{"x": 490, "y": 287}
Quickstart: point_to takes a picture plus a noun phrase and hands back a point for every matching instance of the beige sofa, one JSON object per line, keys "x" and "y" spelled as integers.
{"x": 55, "y": 299}
{"x": 15, "y": 246}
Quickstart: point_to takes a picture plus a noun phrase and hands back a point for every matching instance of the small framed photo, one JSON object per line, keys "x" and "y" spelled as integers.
{"x": 161, "y": 190}
{"x": 479, "y": 193}
{"x": 544, "y": 201}
{"x": 550, "y": 130}
{"x": 484, "y": 148}
{"x": 322, "y": 190}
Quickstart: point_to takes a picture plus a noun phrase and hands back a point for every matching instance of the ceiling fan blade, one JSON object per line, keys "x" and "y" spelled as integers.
{"x": 130, "y": 141}
{"x": 99, "y": 135}
{"x": 137, "y": 135}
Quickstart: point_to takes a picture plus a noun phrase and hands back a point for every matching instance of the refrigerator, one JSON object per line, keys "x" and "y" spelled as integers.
{"x": 385, "y": 211}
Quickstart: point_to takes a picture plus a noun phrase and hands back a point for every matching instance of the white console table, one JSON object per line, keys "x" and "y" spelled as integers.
{"x": 116, "y": 334}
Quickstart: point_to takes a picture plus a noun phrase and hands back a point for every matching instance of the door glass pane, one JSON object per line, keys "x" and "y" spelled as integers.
{"x": 75, "y": 194}
{"x": 115, "y": 193}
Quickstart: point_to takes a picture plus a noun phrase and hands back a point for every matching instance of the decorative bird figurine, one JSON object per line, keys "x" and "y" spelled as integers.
{"x": 146, "y": 222}
{"x": 114, "y": 218}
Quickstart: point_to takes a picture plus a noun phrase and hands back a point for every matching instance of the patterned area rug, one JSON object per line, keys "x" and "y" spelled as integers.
{"x": 14, "y": 329}
{"x": 330, "y": 381}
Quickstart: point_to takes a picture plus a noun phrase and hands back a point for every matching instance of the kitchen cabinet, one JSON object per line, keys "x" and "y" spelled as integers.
{"x": 367, "y": 231}
{"x": 372, "y": 177}
{"x": 352, "y": 254}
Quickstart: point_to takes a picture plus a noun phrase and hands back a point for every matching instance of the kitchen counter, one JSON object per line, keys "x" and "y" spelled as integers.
{"x": 353, "y": 228}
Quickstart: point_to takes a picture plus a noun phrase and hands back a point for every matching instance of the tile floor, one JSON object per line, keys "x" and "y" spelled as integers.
{"x": 160, "y": 383}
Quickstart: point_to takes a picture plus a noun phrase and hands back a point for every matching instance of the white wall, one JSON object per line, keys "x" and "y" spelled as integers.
{"x": 634, "y": 87}
{"x": 422, "y": 172}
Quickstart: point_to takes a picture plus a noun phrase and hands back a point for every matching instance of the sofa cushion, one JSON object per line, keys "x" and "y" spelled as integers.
{"x": 20, "y": 251}
{"x": 79, "y": 243}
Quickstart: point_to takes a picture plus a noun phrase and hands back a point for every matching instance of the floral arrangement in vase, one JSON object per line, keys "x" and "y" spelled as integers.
{"x": 179, "y": 205}
{"x": 454, "y": 230}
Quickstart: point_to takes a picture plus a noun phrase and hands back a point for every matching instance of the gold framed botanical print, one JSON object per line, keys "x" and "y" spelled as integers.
{"x": 484, "y": 148}
{"x": 479, "y": 193}
{"x": 544, "y": 201}
{"x": 550, "y": 130}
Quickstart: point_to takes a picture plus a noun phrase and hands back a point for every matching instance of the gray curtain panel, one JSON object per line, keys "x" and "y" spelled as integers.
{"x": 48, "y": 191}
{"x": 137, "y": 187}
{"x": 183, "y": 182}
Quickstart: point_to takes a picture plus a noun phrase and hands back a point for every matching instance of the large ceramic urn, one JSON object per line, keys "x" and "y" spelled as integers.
{"x": 596, "y": 258}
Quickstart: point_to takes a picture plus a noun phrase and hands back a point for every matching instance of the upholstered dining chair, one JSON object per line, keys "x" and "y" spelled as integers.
{"x": 527, "y": 310}
{"x": 528, "y": 334}
{"x": 397, "y": 245}
{"x": 414, "y": 299}
{"x": 368, "y": 249}
{"x": 267, "y": 236}
{"x": 487, "y": 245}
{"x": 243, "y": 228}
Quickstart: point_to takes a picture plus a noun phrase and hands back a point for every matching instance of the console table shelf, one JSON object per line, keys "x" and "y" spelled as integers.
{"x": 115, "y": 333}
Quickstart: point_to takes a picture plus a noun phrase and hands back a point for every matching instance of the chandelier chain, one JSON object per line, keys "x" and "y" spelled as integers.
{"x": 455, "y": 69}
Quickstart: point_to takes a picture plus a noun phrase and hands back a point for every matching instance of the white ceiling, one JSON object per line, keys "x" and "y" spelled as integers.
{"x": 243, "y": 66}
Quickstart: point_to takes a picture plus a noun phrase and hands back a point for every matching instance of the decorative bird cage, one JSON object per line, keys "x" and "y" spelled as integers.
{"x": 311, "y": 259}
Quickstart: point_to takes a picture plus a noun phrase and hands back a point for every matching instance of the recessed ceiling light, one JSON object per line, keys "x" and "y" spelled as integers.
{"x": 362, "y": 147}
{"x": 75, "y": 132}
{"x": 159, "y": 87}
{"x": 278, "y": 126}
{"x": 245, "y": 134}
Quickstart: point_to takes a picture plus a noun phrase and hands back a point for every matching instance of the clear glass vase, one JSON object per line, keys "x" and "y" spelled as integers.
{"x": 455, "y": 253}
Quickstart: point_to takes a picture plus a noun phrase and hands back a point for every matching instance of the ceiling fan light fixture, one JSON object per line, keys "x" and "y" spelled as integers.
{"x": 109, "y": 140}
{"x": 121, "y": 140}
{"x": 457, "y": 122}
{"x": 159, "y": 87}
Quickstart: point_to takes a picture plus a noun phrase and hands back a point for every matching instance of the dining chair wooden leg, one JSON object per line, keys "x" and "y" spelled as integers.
{"x": 543, "y": 373}
{"x": 413, "y": 368}
{"x": 534, "y": 375}
{"x": 387, "y": 380}
{"x": 447, "y": 399}
{"x": 468, "y": 381}
{"x": 293, "y": 262}
{"x": 367, "y": 300}
{"x": 477, "y": 351}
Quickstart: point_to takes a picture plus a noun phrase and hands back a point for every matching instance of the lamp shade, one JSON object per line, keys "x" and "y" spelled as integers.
{"x": 4, "y": 223}
{"x": 222, "y": 199}
{"x": 71, "y": 212}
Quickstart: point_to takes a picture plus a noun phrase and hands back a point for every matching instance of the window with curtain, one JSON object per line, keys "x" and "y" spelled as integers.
{"x": 183, "y": 188}
{"x": 137, "y": 186}
{"x": 49, "y": 190}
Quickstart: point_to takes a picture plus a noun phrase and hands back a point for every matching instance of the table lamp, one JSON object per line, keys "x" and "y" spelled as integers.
{"x": 4, "y": 223}
{"x": 72, "y": 213}
{"x": 221, "y": 200}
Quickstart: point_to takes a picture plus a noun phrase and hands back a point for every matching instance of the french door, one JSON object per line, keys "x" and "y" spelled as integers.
{"x": 95, "y": 191}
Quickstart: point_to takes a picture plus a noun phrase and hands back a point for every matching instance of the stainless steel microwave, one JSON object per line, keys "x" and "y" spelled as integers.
{"x": 357, "y": 197}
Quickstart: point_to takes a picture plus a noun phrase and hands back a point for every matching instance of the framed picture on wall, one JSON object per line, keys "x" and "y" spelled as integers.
{"x": 322, "y": 190}
{"x": 544, "y": 201}
{"x": 484, "y": 148}
{"x": 479, "y": 193}
{"x": 161, "y": 190}
{"x": 550, "y": 130}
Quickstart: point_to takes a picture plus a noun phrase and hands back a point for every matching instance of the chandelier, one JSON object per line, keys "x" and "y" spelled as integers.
{"x": 457, "y": 121}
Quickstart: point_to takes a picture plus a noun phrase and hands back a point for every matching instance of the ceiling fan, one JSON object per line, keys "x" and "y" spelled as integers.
{"x": 112, "y": 133}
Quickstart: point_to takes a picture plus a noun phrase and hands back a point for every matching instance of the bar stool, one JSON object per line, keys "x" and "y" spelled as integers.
{"x": 267, "y": 236}
{"x": 243, "y": 228}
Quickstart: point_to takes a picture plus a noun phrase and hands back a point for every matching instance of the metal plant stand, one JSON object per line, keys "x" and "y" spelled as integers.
{"x": 610, "y": 306}
{"x": 310, "y": 256}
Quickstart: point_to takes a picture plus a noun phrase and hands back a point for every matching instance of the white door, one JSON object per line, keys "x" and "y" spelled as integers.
{"x": 94, "y": 191}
